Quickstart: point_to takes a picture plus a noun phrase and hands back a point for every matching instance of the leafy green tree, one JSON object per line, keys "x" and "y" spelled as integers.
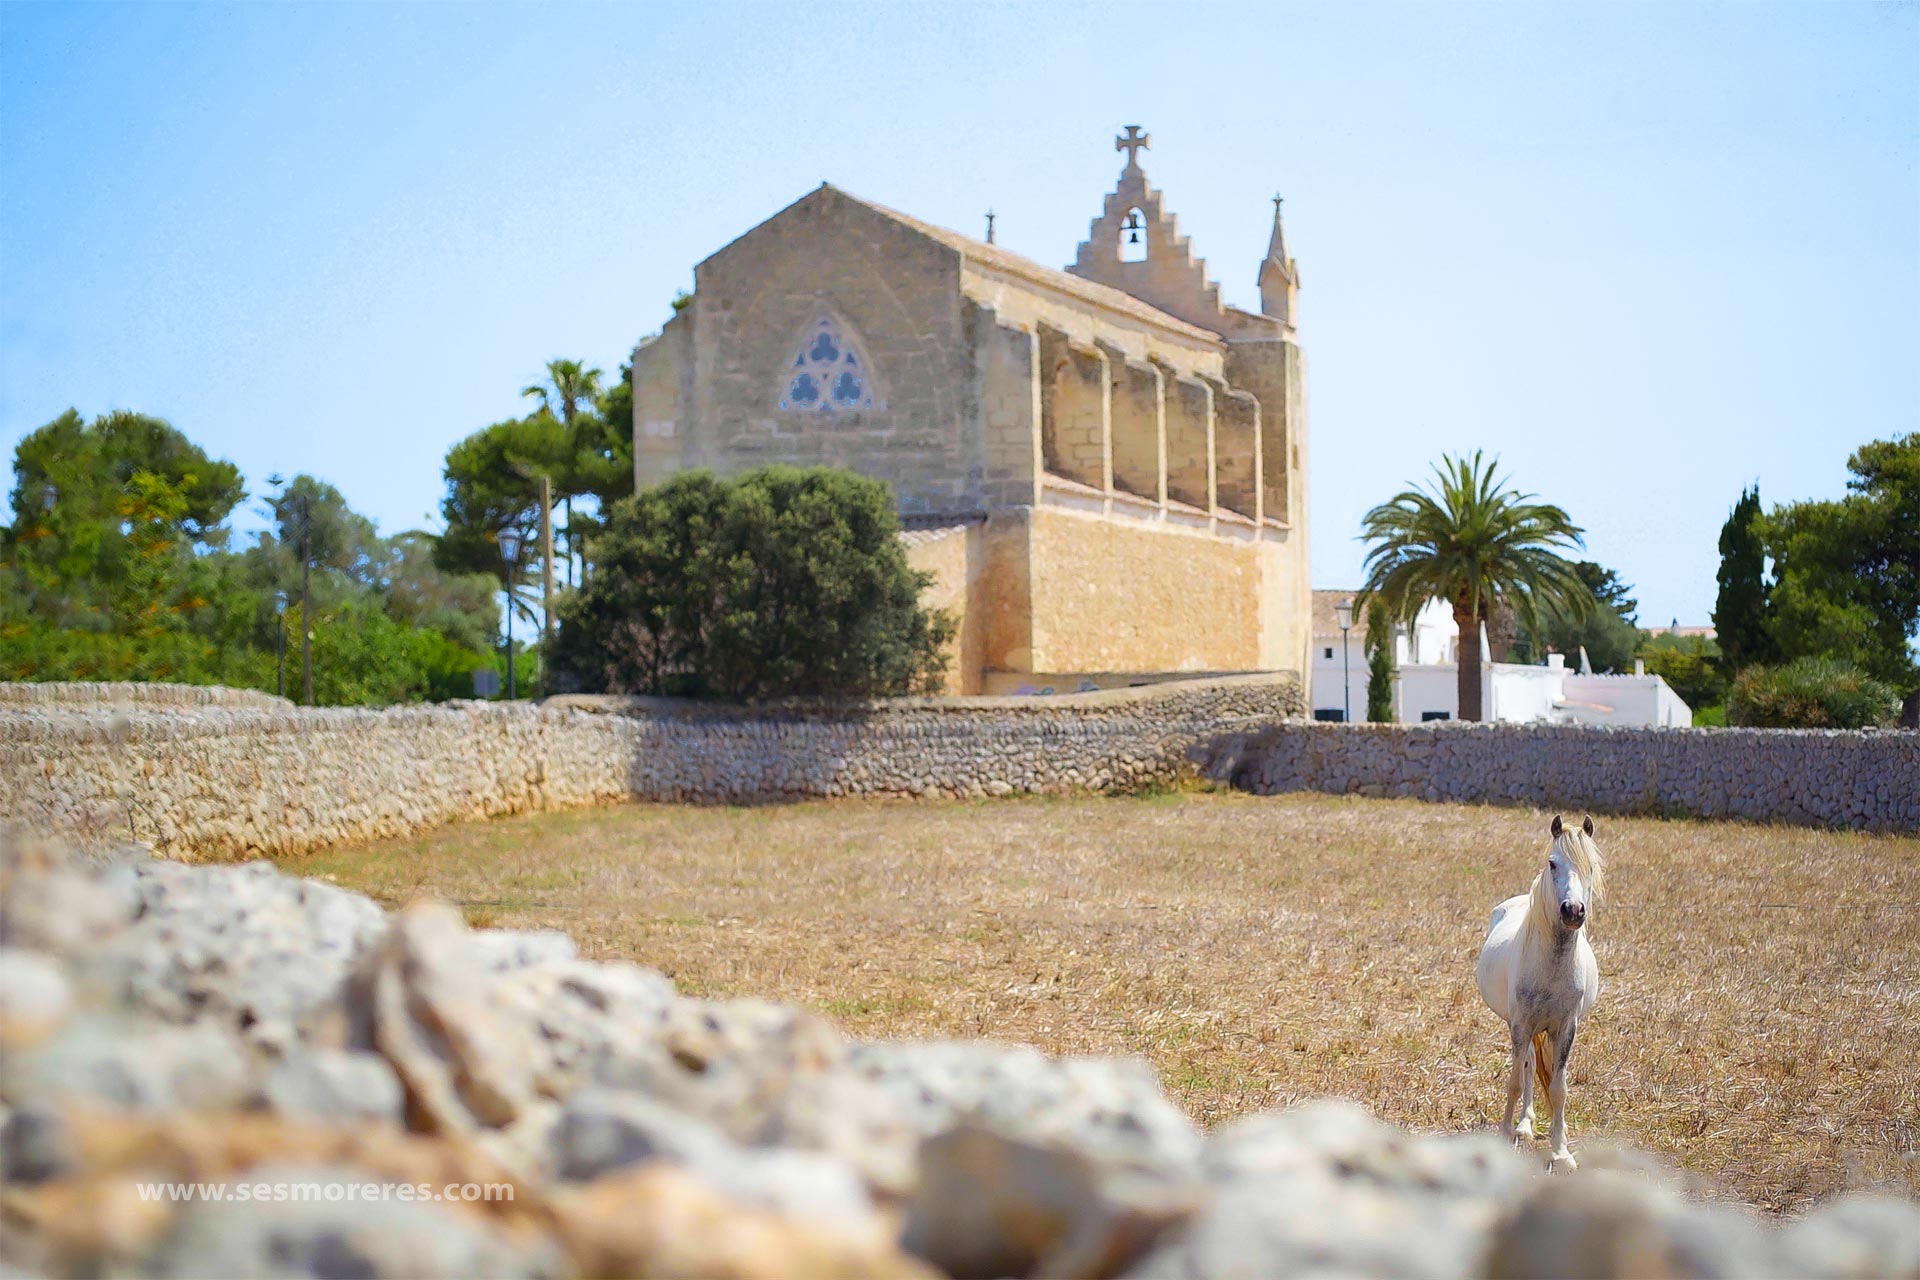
{"x": 1691, "y": 665}
{"x": 781, "y": 583}
{"x": 82, "y": 541}
{"x": 1810, "y": 693}
{"x": 492, "y": 485}
{"x": 314, "y": 522}
{"x": 117, "y": 566}
{"x": 1847, "y": 572}
{"x": 460, "y": 606}
{"x": 1379, "y": 663}
{"x": 1473, "y": 541}
{"x": 1740, "y": 609}
{"x": 1608, "y": 632}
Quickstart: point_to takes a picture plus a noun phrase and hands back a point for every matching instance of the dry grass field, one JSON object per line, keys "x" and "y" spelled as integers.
{"x": 1759, "y": 1023}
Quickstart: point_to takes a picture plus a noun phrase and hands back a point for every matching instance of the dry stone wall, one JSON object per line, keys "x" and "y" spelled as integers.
{"x": 205, "y": 773}
{"x": 1867, "y": 780}
{"x": 221, "y": 779}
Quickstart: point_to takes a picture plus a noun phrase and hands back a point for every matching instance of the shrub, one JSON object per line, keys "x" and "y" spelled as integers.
{"x": 1810, "y": 693}
{"x": 1690, "y": 665}
{"x": 781, "y": 583}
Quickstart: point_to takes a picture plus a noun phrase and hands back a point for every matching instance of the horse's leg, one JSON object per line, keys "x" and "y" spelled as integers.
{"x": 1536, "y": 1083}
{"x": 1563, "y": 1161}
{"x": 1519, "y": 1080}
{"x": 1524, "y": 1130}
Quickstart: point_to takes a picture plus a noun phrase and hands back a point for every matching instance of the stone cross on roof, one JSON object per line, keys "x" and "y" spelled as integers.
{"x": 1131, "y": 142}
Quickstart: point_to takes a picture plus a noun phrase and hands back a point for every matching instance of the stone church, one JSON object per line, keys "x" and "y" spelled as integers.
{"x": 1104, "y": 467}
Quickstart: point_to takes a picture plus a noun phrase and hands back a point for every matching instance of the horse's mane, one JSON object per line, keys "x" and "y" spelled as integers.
{"x": 1578, "y": 847}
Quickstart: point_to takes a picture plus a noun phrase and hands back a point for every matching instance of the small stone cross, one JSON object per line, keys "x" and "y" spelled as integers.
{"x": 1131, "y": 142}
{"x": 1277, "y": 202}
{"x": 989, "y": 226}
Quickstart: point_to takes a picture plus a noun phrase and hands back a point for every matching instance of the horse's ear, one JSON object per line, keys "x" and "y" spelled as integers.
{"x": 1556, "y": 826}
{"x": 1586, "y": 824}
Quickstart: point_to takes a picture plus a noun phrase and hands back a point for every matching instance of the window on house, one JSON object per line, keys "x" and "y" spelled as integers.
{"x": 1133, "y": 237}
{"x": 1332, "y": 714}
{"x": 1329, "y": 651}
{"x": 829, "y": 373}
{"x": 1435, "y": 715}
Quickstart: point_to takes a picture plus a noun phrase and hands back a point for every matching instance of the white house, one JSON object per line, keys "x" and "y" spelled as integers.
{"x": 1426, "y": 678}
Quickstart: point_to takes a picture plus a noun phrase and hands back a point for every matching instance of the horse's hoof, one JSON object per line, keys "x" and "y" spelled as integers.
{"x": 1523, "y": 1134}
{"x": 1562, "y": 1163}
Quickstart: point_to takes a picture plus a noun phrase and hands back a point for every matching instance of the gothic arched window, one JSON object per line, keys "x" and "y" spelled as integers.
{"x": 829, "y": 373}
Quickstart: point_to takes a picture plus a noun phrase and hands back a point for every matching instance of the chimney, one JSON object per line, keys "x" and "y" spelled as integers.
{"x": 1639, "y": 666}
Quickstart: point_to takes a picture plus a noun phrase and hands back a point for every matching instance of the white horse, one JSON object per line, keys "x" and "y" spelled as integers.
{"x": 1538, "y": 973}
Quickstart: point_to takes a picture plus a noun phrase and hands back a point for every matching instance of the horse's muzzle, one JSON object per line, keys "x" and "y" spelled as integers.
{"x": 1573, "y": 914}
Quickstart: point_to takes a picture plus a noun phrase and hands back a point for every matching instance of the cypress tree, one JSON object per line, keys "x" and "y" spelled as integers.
{"x": 1740, "y": 611}
{"x": 1379, "y": 664}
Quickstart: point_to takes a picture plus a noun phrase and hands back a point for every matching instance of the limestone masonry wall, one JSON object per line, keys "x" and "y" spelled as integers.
{"x": 199, "y": 773}
{"x": 198, "y": 780}
{"x": 1869, "y": 780}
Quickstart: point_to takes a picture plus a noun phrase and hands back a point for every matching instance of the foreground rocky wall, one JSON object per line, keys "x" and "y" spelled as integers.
{"x": 1866, "y": 780}
{"x": 349, "y": 1092}
{"x": 212, "y": 777}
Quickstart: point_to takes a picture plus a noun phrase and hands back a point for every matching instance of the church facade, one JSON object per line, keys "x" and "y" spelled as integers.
{"x": 1104, "y": 467}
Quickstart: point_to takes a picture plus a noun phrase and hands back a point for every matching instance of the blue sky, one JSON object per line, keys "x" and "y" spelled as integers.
{"x": 1646, "y": 253}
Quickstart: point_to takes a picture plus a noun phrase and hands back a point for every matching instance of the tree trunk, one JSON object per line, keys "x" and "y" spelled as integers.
{"x": 546, "y": 556}
{"x": 1472, "y": 674}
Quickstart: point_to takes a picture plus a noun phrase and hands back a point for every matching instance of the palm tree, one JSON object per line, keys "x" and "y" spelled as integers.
{"x": 1473, "y": 542}
{"x": 569, "y": 385}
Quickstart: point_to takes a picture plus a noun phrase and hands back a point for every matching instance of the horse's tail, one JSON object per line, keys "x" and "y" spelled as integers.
{"x": 1542, "y": 1070}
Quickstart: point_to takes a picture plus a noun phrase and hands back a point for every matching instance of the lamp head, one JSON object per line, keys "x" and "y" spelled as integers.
{"x": 510, "y": 544}
{"x": 1344, "y": 611}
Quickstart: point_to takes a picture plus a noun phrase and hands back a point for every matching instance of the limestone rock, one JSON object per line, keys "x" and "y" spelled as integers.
{"x": 35, "y": 998}
{"x": 1605, "y": 1225}
{"x": 1854, "y": 1239}
{"x": 993, "y": 1205}
{"x": 1110, "y": 1109}
{"x": 467, "y": 1065}
{"x": 260, "y": 951}
{"x": 586, "y": 1021}
{"x": 1326, "y": 1189}
{"x": 47, "y": 905}
{"x": 658, "y": 1221}
{"x": 132, "y": 1065}
{"x": 603, "y": 1130}
{"x": 333, "y": 1085}
{"x": 504, "y": 950}
{"x": 348, "y": 1228}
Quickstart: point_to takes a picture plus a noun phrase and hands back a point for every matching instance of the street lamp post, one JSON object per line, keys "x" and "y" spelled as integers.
{"x": 510, "y": 550}
{"x": 280, "y": 643}
{"x": 1344, "y": 610}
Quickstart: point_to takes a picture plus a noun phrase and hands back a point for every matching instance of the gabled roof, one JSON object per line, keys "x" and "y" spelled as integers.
{"x": 998, "y": 259}
{"x": 1326, "y": 622}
